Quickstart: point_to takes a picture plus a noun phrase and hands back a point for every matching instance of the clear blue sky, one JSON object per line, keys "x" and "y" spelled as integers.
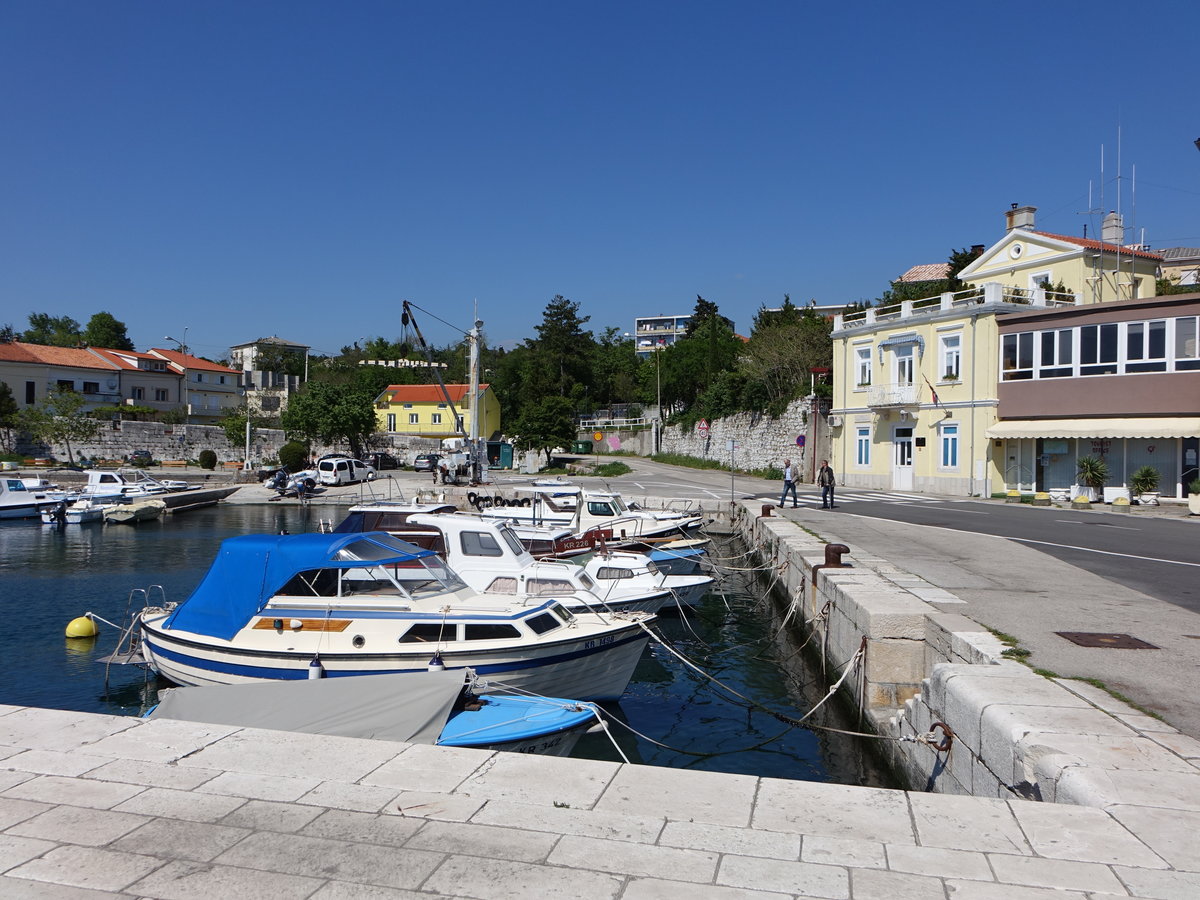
{"x": 298, "y": 168}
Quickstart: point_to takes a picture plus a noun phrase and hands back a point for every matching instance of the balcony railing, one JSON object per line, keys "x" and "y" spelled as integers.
{"x": 990, "y": 293}
{"x": 895, "y": 394}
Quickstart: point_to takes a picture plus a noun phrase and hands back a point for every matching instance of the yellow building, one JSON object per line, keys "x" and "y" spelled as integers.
{"x": 916, "y": 384}
{"x": 421, "y": 410}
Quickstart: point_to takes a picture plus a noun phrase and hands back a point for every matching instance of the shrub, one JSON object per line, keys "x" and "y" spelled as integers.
{"x": 208, "y": 459}
{"x": 611, "y": 470}
{"x": 293, "y": 456}
{"x": 1144, "y": 480}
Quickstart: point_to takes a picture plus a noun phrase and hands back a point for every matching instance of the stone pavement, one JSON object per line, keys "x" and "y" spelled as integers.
{"x": 1030, "y": 595}
{"x": 99, "y": 806}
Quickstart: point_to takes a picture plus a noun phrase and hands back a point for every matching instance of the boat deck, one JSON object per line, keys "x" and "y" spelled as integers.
{"x": 123, "y": 807}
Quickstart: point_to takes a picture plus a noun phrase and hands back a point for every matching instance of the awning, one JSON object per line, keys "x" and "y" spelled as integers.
{"x": 1166, "y": 427}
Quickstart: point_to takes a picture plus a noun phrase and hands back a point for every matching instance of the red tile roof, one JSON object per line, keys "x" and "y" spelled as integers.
{"x": 191, "y": 362}
{"x": 120, "y": 358}
{"x": 75, "y": 357}
{"x": 925, "y": 272}
{"x": 426, "y": 393}
{"x": 1100, "y": 245}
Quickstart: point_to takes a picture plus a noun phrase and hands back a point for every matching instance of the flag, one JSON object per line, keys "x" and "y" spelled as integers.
{"x": 936, "y": 402}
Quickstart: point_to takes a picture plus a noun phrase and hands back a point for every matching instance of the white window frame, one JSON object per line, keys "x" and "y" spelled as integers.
{"x": 950, "y": 356}
{"x": 862, "y": 446}
{"x": 949, "y": 446}
{"x": 391, "y": 421}
{"x": 435, "y": 418}
{"x": 414, "y": 418}
{"x": 863, "y": 367}
{"x": 904, "y": 364}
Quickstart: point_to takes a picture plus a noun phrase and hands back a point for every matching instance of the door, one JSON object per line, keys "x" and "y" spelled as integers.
{"x": 902, "y": 459}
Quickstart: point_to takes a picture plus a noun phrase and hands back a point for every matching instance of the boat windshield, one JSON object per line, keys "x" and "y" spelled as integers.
{"x": 619, "y": 503}
{"x": 377, "y": 548}
{"x": 15, "y": 484}
{"x": 510, "y": 538}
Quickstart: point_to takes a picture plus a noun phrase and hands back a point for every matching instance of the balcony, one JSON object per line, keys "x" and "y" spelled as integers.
{"x": 883, "y": 396}
{"x": 990, "y": 294}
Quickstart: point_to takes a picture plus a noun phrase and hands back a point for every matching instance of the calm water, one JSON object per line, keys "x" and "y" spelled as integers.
{"x": 48, "y": 577}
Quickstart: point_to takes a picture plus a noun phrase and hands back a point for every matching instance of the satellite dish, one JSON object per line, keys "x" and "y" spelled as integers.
{"x": 112, "y": 384}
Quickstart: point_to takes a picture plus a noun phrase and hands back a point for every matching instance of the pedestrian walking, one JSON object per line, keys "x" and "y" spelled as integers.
{"x": 826, "y": 480}
{"x": 789, "y": 484}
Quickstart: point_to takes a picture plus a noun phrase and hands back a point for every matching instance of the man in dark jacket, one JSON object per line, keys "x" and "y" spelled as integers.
{"x": 826, "y": 480}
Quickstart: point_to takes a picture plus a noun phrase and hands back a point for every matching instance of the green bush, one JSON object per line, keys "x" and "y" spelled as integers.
{"x": 293, "y": 456}
{"x": 208, "y": 459}
{"x": 611, "y": 470}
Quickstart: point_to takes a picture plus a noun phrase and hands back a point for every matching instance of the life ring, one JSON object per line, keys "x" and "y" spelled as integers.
{"x": 498, "y": 500}
{"x": 526, "y": 501}
{"x": 473, "y": 499}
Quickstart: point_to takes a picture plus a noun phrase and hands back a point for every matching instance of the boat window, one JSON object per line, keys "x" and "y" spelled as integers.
{"x": 619, "y": 502}
{"x": 510, "y": 538}
{"x": 313, "y": 583}
{"x": 586, "y": 580}
{"x": 489, "y": 632}
{"x": 597, "y": 508}
{"x": 549, "y": 586}
{"x": 363, "y": 551}
{"x": 502, "y": 585}
{"x": 480, "y": 543}
{"x": 543, "y": 623}
{"x": 610, "y": 572}
{"x": 561, "y": 611}
{"x": 15, "y": 484}
{"x": 428, "y": 633}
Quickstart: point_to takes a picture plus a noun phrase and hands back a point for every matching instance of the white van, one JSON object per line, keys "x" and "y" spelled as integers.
{"x": 343, "y": 470}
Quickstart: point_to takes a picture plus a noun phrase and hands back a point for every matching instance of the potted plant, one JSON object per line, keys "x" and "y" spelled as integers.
{"x": 1145, "y": 484}
{"x": 1093, "y": 472}
{"x": 1194, "y": 497}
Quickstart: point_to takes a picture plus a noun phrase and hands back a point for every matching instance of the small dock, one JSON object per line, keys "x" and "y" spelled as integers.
{"x": 96, "y": 806}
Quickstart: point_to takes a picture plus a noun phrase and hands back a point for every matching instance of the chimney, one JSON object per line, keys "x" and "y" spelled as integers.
{"x": 1113, "y": 229}
{"x": 1019, "y": 217}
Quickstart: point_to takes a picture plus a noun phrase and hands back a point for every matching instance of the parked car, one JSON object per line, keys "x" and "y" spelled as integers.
{"x": 381, "y": 461}
{"x": 343, "y": 470}
{"x": 427, "y": 462}
{"x": 140, "y": 458}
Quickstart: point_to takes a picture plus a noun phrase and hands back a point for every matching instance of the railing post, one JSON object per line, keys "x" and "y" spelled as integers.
{"x": 993, "y": 292}
{"x": 870, "y": 316}
{"x": 906, "y": 309}
{"x": 946, "y": 301}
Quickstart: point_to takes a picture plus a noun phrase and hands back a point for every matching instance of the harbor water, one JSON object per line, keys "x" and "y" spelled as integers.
{"x": 672, "y": 715}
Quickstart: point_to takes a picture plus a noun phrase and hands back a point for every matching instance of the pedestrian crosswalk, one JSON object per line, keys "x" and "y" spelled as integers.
{"x": 855, "y": 496}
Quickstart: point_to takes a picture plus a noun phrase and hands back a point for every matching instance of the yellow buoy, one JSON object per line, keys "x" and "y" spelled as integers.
{"x": 83, "y": 627}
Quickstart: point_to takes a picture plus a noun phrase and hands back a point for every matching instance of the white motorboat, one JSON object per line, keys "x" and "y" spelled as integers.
{"x": 489, "y": 557}
{"x": 79, "y": 512}
{"x": 284, "y": 607}
{"x": 17, "y": 501}
{"x": 603, "y": 512}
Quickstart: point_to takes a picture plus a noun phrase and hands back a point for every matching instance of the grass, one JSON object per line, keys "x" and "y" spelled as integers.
{"x": 771, "y": 473}
{"x": 1021, "y": 654}
{"x": 611, "y": 470}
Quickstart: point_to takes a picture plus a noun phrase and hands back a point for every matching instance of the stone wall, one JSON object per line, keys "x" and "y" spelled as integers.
{"x": 957, "y": 716}
{"x": 760, "y": 441}
{"x": 116, "y": 440}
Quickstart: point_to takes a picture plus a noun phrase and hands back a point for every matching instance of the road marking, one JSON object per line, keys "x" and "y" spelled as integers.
{"x": 1097, "y": 525}
{"x": 1174, "y": 562}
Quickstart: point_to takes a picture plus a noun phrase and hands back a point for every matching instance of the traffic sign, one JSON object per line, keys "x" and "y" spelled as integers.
{"x": 799, "y": 440}
{"x": 597, "y": 435}
{"x": 702, "y": 427}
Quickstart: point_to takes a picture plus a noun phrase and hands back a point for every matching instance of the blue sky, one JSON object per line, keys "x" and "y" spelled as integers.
{"x": 297, "y": 168}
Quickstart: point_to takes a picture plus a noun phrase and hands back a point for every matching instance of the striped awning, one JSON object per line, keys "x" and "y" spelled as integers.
{"x": 1166, "y": 427}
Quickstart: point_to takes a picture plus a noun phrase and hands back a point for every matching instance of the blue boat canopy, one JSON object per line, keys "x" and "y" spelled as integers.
{"x": 251, "y": 569}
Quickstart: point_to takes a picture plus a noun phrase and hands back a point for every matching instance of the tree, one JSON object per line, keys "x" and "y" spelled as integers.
{"x": 331, "y": 413}
{"x": 784, "y": 347}
{"x": 233, "y": 422}
{"x": 57, "y": 418}
{"x": 7, "y": 334}
{"x": 691, "y": 363}
{"x": 104, "y": 330}
{"x": 547, "y": 423}
{"x": 702, "y": 312}
{"x": 8, "y": 413}
{"x": 55, "y": 331}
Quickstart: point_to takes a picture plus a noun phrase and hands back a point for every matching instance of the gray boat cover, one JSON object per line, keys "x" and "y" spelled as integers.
{"x": 411, "y": 707}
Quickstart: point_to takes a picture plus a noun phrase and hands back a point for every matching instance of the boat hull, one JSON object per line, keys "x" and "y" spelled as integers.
{"x": 587, "y": 666}
{"x": 539, "y": 725}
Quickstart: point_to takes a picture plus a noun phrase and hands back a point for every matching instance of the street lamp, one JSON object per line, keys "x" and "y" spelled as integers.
{"x": 183, "y": 348}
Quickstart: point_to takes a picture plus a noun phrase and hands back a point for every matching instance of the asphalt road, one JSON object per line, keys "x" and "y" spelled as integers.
{"x": 1147, "y": 551}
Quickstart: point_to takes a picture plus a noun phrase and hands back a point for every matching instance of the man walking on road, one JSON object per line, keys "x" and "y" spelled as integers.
{"x": 826, "y": 480}
{"x": 789, "y": 484}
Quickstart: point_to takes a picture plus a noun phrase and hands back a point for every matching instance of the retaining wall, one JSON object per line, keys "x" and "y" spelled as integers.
{"x": 1015, "y": 733}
